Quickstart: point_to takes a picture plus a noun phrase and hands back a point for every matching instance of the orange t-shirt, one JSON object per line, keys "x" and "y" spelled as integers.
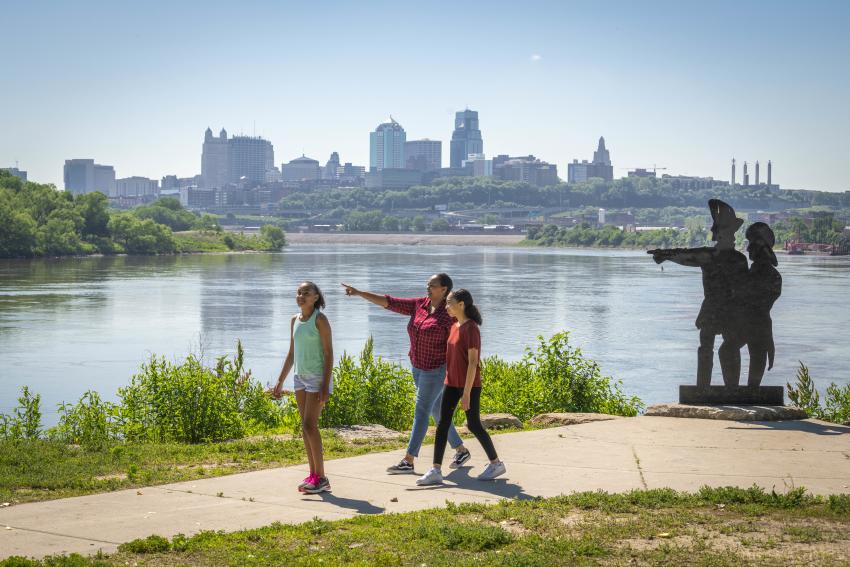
{"x": 461, "y": 339}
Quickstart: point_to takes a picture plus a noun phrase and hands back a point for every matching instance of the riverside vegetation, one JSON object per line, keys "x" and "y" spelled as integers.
{"x": 182, "y": 420}
{"x": 715, "y": 526}
{"x": 37, "y": 220}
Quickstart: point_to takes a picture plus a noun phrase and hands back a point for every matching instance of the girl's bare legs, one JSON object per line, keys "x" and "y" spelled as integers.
{"x": 310, "y": 407}
{"x": 301, "y": 400}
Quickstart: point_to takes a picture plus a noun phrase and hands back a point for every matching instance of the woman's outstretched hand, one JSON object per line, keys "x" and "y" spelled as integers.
{"x": 350, "y": 290}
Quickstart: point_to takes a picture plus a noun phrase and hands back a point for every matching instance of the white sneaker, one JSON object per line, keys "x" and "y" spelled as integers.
{"x": 491, "y": 471}
{"x": 433, "y": 476}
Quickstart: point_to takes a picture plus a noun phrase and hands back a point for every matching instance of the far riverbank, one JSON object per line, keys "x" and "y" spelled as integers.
{"x": 299, "y": 238}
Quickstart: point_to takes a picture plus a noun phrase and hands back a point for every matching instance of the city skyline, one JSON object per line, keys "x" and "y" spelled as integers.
{"x": 684, "y": 87}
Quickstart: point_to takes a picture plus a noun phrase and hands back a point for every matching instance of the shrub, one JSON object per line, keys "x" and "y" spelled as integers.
{"x": 191, "y": 403}
{"x": 150, "y": 544}
{"x": 370, "y": 390}
{"x": 25, "y": 420}
{"x": 804, "y": 395}
{"x": 554, "y": 377}
{"x": 90, "y": 423}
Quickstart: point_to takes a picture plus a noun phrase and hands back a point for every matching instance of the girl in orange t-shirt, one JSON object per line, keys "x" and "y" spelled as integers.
{"x": 463, "y": 384}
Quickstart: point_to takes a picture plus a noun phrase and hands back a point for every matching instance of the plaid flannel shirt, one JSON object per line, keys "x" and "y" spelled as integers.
{"x": 429, "y": 332}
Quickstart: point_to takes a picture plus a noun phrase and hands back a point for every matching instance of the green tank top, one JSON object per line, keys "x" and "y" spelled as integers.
{"x": 309, "y": 354}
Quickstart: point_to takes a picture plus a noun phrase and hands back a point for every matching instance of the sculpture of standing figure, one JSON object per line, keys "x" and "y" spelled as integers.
{"x": 764, "y": 286}
{"x": 724, "y": 276}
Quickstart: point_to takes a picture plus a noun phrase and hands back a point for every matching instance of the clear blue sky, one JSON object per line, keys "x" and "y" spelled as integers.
{"x": 682, "y": 84}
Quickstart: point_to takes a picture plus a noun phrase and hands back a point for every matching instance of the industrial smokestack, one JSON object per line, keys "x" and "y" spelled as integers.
{"x": 769, "y": 173}
{"x": 733, "y": 172}
{"x": 757, "y": 172}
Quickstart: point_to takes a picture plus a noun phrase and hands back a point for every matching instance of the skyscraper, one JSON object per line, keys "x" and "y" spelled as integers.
{"x": 466, "y": 138}
{"x": 386, "y": 146}
{"x": 601, "y": 155}
{"x": 250, "y": 158}
{"x": 600, "y": 166}
{"x": 331, "y": 169}
{"x": 423, "y": 155}
{"x": 215, "y": 163}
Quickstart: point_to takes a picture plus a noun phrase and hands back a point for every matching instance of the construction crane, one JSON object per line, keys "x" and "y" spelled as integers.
{"x": 654, "y": 168}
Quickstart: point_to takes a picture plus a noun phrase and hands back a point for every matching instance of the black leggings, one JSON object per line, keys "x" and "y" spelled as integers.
{"x": 451, "y": 397}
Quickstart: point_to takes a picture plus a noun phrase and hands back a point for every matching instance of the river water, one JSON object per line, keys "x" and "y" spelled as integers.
{"x": 70, "y": 325}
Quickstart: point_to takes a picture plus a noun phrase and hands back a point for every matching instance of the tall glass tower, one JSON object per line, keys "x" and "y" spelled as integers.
{"x": 386, "y": 146}
{"x": 466, "y": 138}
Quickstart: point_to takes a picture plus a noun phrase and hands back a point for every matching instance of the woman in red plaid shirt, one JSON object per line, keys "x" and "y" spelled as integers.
{"x": 428, "y": 328}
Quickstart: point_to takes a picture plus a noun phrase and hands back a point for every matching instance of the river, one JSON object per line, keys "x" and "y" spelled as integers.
{"x": 70, "y": 325}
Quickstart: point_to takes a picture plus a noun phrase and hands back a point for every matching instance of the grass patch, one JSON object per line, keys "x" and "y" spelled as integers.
{"x": 37, "y": 470}
{"x": 653, "y": 527}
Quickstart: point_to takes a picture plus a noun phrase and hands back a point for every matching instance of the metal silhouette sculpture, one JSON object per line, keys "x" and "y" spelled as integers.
{"x": 736, "y": 305}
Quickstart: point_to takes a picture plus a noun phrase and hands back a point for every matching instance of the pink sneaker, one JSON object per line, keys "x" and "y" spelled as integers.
{"x": 312, "y": 478}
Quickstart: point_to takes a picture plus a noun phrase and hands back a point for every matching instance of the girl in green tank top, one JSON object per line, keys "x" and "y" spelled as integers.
{"x": 311, "y": 354}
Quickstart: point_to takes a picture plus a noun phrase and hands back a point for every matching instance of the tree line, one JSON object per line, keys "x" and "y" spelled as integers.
{"x": 480, "y": 192}
{"x": 37, "y": 220}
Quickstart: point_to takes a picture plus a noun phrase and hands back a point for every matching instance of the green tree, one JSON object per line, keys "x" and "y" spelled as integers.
{"x": 439, "y": 225}
{"x": 93, "y": 208}
{"x": 274, "y": 235}
{"x": 18, "y": 232}
{"x": 141, "y": 236}
{"x": 418, "y": 223}
{"x": 360, "y": 221}
{"x": 390, "y": 223}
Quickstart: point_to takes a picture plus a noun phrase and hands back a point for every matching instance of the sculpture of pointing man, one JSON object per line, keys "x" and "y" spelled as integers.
{"x": 724, "y": 276}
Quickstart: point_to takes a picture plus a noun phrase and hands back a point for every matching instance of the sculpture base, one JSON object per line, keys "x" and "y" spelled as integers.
{"x": 738, "y": 395}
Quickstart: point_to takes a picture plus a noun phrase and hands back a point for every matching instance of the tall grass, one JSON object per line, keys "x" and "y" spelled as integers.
{"x": 552, "y": 377}
{"x": 370, "y": 390}
{"x": 189, "y": 402}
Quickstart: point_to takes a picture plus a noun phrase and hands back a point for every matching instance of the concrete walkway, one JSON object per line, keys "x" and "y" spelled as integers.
{"x": 615, "y": 456}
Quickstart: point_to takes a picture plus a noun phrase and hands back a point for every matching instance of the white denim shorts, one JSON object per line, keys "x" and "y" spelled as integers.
{"x": 311, "y": 384}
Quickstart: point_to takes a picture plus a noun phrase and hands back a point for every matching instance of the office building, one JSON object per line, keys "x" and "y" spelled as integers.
{"x": 215, "y": 161}
{"x": 331, "y": 169}
{"x": 393, "y": 178}
{"x": 22, "y": 175}
{"x": 479, "y": 165}
{"x": 386, "y": 146}
{"x": 249, "y": 158}
{"x": 301, "y": 169}
{"x": 351, "y": 174}
{"x": 423, "y": 155}
{"x": 136, "y": 187}
{"x": 466, "y": 138}
{"x": 525, "y": 169}
{"x": 84, "y": 176}
{"x": 600, "y": 166}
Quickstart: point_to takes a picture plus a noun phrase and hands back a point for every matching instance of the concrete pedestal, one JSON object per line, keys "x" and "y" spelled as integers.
{"x": 738, "y": 395}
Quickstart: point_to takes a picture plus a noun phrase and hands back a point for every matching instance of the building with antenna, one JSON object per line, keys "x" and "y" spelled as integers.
{"x": 386, "y": 146}
{"x": 20, "y": 174}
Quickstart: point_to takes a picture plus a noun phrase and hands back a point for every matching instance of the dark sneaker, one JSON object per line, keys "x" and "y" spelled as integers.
{"x": 319, "y": 484}
{"x": 459, "y": 459}
{"x": 403, "y": 467}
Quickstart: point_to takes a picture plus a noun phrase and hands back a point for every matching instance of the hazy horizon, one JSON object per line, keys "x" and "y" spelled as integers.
{"x": 681, "y": 85}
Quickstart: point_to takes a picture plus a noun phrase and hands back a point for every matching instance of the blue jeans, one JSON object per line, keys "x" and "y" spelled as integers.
{"x": 429, "y": 396}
